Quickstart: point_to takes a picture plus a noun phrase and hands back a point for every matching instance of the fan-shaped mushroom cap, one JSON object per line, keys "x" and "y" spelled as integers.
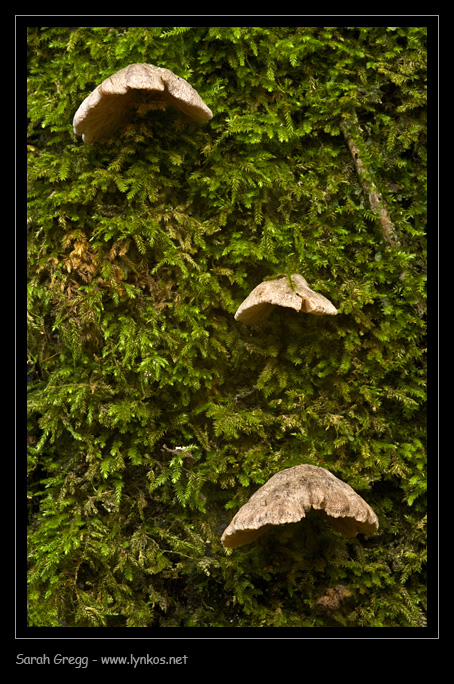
{"x": 109, "y": 105}
{"x": 289, "y": 494}
{"x": 259, "y": 304}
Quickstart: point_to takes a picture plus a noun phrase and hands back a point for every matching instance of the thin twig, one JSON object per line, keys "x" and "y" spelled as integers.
{"x": 376, "y": 202}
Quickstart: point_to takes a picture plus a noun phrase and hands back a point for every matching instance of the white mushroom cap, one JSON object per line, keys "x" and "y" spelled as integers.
{"x": 259, "y": 304}
{"x": 109, "y": 105}
{"x": 288, "y": 495}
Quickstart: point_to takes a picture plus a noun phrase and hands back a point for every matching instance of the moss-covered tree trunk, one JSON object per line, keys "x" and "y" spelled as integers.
{"x": 153, "y": 414}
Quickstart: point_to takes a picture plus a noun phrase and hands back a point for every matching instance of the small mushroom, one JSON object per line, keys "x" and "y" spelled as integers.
{"x": 289, "y": 494}
{"x": 110, "y": 104}
{"x": 259, "y": 304}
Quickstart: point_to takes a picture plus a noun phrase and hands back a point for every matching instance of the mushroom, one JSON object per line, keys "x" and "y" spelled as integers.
{"x": 259, "y": 304}
{"x": 109, "y": 105}
{"x": 289, "y": 494}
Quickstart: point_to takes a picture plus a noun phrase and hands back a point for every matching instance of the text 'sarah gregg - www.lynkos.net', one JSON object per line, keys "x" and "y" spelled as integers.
{"x": 81, "y": 662}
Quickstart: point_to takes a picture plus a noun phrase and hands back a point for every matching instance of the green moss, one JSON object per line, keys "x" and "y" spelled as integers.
{"x": 141, "y": 248}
